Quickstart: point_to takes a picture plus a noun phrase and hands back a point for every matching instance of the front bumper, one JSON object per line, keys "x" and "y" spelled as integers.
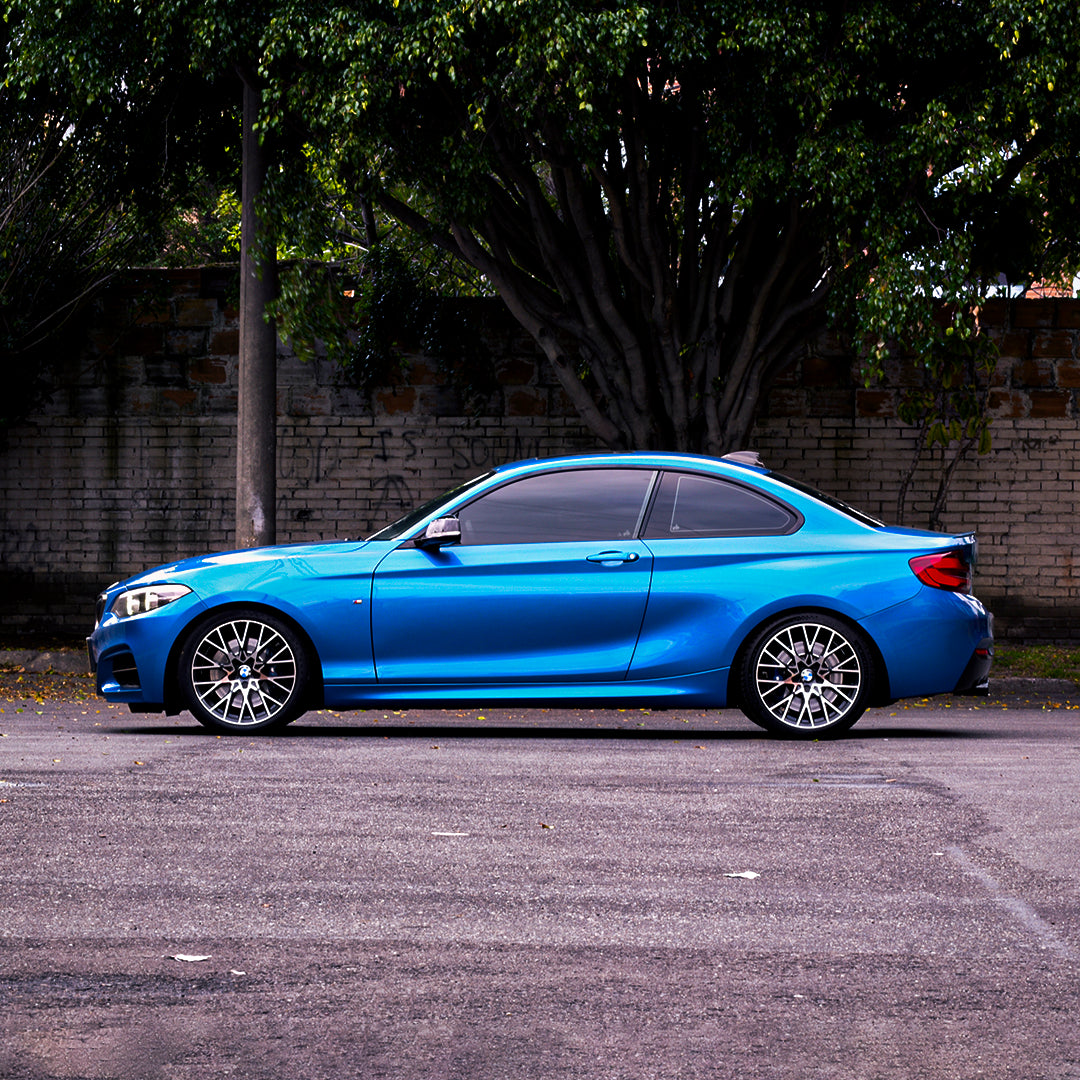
{"x": 129, "y": 657}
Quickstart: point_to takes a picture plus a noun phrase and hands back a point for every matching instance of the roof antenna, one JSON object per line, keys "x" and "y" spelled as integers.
{"x": 745, "y": 457}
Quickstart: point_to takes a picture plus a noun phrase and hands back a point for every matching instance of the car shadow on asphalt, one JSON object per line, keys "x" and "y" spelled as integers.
{"x": 430, "y": 731}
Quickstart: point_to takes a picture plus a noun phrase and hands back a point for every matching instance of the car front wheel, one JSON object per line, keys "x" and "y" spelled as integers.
{"x": 244, "y": 670}
{"x": 806, "y": 675}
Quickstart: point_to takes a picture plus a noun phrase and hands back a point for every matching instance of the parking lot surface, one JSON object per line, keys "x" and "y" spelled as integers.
{"x": 510, "y": 894}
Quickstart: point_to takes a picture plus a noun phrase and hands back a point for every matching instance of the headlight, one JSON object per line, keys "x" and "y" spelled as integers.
{"x": 145, "y": 598}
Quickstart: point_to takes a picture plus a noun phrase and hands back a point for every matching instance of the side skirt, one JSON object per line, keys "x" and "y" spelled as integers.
{"x": 706, "y": 690}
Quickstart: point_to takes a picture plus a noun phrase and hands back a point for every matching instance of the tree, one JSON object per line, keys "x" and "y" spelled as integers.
{"x": 85, "y": 192}
{"x": 57, "y": 244}
{"x": 186, "y": 65}
{"x": 675, "y": 198}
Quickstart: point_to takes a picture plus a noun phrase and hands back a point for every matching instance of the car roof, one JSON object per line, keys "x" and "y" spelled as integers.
{"x": 746, "y": 460}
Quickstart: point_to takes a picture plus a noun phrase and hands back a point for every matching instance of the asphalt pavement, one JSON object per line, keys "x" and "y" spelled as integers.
{"x": 501, "y": 894}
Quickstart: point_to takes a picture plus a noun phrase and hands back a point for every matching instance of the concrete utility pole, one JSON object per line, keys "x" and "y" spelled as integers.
{"x": 256, "y": 431}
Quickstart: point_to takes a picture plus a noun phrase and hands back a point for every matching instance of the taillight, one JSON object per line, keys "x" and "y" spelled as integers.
{"x": 943, "y": 570}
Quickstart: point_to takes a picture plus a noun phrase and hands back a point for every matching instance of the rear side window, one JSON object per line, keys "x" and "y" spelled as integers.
{"x": 688, "y": 504}
{"x": 829, "y": 500}
{"x": 571, "y": 504}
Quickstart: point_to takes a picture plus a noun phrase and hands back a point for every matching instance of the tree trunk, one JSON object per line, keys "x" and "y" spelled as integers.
{"x": 256, "y": 433}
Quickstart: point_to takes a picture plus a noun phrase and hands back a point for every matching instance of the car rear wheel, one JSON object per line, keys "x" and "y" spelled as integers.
{"x": 244, "y": 670}
{"x": 806, "y": 675}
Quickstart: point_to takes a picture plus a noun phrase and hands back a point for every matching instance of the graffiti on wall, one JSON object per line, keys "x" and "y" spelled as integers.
{"x": 390, "y": 469}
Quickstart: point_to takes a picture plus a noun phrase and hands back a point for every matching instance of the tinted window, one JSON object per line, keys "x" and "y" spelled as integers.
{"x": 829, "y": 500}
{"x": 691, "y": 505}
{"x": 594, "y": 504}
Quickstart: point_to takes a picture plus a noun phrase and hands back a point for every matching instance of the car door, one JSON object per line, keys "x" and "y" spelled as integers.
{"x": 549, "y": 583}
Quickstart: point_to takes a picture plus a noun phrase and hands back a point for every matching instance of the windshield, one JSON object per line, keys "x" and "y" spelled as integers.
{"x": 828, "y": 500}
{"x": 405, "y": 525}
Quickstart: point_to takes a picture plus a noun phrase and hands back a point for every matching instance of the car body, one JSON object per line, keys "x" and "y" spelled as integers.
{"x": 644, "y": 579}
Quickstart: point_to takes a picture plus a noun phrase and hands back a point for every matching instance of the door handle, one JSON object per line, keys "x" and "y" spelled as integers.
{"x": 611, "y": 558}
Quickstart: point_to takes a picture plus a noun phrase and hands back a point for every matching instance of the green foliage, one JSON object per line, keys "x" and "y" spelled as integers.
{"x": 97, "y": 152}
{"x": 950, "y": 406}
{"x": 671, "y": 198}
{"x": 346, "y": 264}
{"x": 394, "y": 311}
{"x": 397, "y": 310}
{"x": 205, "y": 229}
{"x": 65, "y": 228}
{"x": 117, "y": 64}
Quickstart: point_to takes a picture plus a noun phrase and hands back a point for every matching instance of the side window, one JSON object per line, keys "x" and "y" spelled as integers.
{"x": 572, "y": 504}
{"x": 691, "y": 505}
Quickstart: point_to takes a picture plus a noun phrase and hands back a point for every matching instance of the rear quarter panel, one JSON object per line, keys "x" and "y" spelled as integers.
{"x": 708, "y": 595}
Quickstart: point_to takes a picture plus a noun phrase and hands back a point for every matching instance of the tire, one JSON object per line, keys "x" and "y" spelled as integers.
{"x": 244, "y": 670}
{"x": 806, "y": 675}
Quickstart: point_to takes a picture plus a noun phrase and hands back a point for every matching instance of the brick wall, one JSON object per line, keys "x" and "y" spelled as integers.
{"x": 134, "y": 464}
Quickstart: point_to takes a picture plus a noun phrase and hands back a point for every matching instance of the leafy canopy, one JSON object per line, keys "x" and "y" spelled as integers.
{"x": 672, "y": 198}
{"x": 98, "y": 150}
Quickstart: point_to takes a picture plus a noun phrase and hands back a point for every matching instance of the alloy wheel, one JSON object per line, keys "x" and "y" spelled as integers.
{"x": 808, "y": 676}
{"x": 244, "y": 672}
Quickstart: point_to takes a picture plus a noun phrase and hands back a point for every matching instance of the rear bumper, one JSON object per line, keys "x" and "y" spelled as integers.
{"x": 975, "y": 681}
{"x": 937, "y": 642}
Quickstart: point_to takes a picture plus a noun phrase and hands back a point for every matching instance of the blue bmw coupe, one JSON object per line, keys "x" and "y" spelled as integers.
{"x": 645, "y": 579}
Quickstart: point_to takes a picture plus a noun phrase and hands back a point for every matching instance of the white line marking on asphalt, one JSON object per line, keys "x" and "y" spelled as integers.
{"x": 1023, "y": 912}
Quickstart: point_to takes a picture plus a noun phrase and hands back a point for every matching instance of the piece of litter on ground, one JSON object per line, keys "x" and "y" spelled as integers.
{"x": 186, "y": 958}
{"x": 233, "y": 971}
{"x": 748, "y": 874}
{"x": 449, "y": 834}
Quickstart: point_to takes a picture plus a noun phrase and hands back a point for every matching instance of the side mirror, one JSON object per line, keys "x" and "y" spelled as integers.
{"x": 439, "y": 533}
